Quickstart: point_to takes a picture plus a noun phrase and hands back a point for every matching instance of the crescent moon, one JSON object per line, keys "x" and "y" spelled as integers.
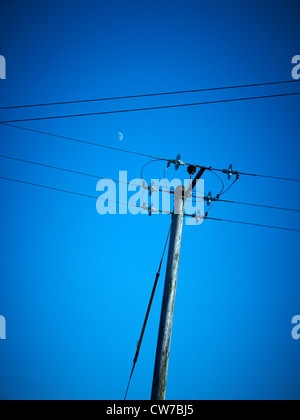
{"x": 121, "y": 136}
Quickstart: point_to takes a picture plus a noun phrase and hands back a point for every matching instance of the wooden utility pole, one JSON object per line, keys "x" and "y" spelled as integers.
{"x": 167, "y": 312}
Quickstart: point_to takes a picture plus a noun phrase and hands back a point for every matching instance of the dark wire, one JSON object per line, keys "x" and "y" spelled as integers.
{"x": 209, "y": 209}
{"x": 148, "y": 163}
{"x": 84, "y": 142}
{"x": 259, "y": 205}
{"x": 252, "y": 224}
{"x": 270, "y": 177}
{"x": 223, "y": 186}
{"x": 137, "y": 153}
{"x": 164, "y": 177}
{"x": 48, "y": 188}
{"x": 250, "y": 204}
{"x": 142, "y": 177}
{"x": 77, "y": 194}
{"x": 57, "y": 168}
{"x": 147, "y": 95}
{"x": 67, "y": 170}
{"x": 260, "y": 176}
{"x": 232, "y": 184}
{"x": 147, "y": 314}
{"x": 132, "y": 205}
{"x": 154, "y": 108}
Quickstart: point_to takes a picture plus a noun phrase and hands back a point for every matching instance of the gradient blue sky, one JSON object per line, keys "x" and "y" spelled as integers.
{"x": 75, "y": 285}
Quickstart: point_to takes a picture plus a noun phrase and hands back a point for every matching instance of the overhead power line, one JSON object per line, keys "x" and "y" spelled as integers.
{"x": 259, "y": 205}
{"x": 266, "y": 206}
{"x": 147, "y": 95}
{"x": 77, "y": 194}
{"x": 53, "y": 167}
{"x": 90, "y": 143}
{"x": 279, "y": 178}
{"x": 47, "y": 187}
{"x": 252, "y": 224}
{"x": 127, "y": 183}
{"x": 270, "y": 177}
{"x": 71, "y": 171}
{"x": 154, "y": 108}
{"x": 132, "y": 205}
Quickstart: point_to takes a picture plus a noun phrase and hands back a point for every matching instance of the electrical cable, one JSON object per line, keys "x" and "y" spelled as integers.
{"x": 211, "y": 169}
{"x": 232, "y": 184}
{"x": 147, "y": 313}
{"x": 223, "y": 186}
{"x": 77, "y": 194}
{"x": 147, "y": 95}
{"x": 253, "y": 224}
{"x": 70, "y": 171}
{"x": 259, "y": 205}
{"x": 154, "y": 108}
{"x": 148, "y": 163}
{"x": 250, "y": 204}
{"x": 164, "y": 177}
{"x": 270, "y": 177}
{"x": 85, "y": 142}
{"x": 258, "y": 175}
{"x": 247, "y": 223}
{"x": 142, "y": 177}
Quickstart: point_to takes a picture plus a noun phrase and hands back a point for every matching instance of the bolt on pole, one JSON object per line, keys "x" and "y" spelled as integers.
{"x": 167, "y": 311}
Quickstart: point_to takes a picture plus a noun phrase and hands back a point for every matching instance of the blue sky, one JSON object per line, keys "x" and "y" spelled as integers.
{"x": 75, "y": 285}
